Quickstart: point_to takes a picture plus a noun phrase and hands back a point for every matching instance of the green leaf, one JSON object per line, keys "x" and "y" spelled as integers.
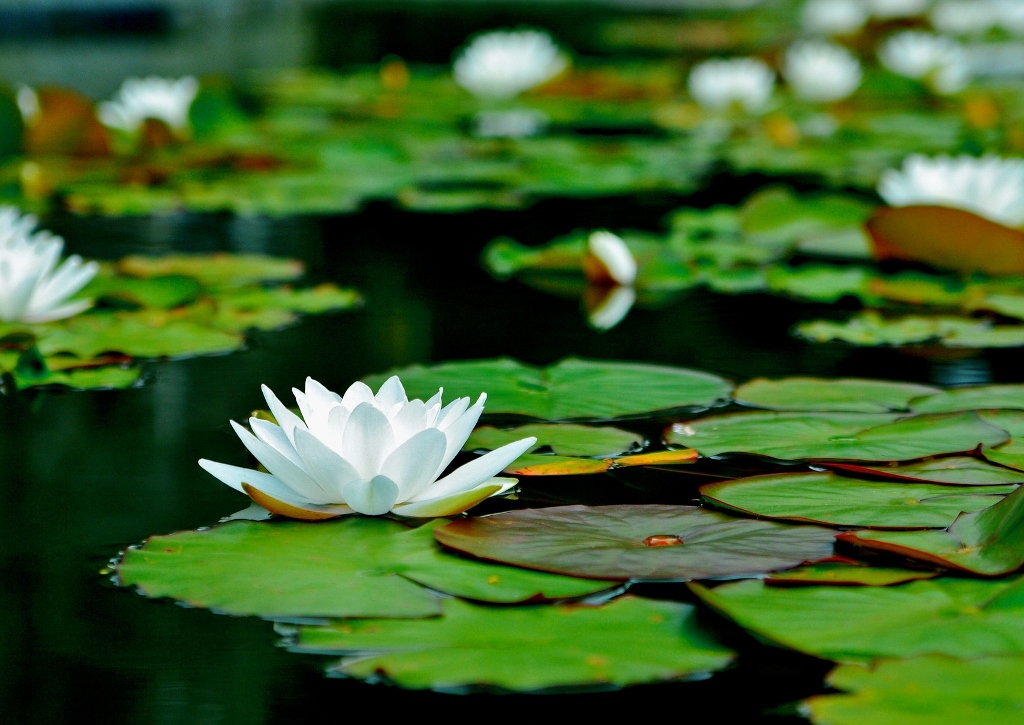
{"x": 98, "y": 378}
{"x": 988, "y": 542}
{"x": 845, "y": 574}
{"x": 973, "y": 398}
{"x": 565, "y": 439}
{"x": 923, "y": 691}
{"x": 826, "y": 498}
{"x": 636, "y": 542}
{"x": 956, "y": 470}
{"x": 964, "y": 618}
{"x": 777, "y": 215}
{"x": 353, "y": 567}
{"x": 871, "y": 329}
{"x": 572, "y": 388}
{"x": 215, "y": 270}
{"x": 162, "y": 292}
{"x": 839, "y": 436}
{"x": 628, "y": 641}
{"x": 845, "y": 395}
{"x": 268, "y": 309}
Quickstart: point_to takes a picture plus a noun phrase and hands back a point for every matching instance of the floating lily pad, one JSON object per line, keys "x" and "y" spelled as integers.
{"x": 628, "y": 641}
{"x": 636, "y": 542}
{"x": 827, "y": 498}
{"x": 844, "y": 574}
{"x": 988, "y": 542}
{"x": 563, "y": 440}
{"x": 870, "y": 329}
{"x": 844, "y": 395}
{"x": 269, "y": 309}
{"x": 923, "y": 691}
{"x": 964, "y": 618}
{"x": 955, "y": 470}
{"x": 161, "y": 292}
{"x": 215, "y": 270}
{"x": 973, "y": 398}
{"x": 584, "y": 389}
{"x": 840, "y": 436}
{"x": 355, "y": 567}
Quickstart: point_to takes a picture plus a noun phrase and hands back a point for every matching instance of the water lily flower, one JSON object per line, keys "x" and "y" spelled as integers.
{"x": 1010, "y": 15}
{"x": 964, "y": 17}
{"x": 34, "y": 288}
{"x": 719, "y": 84}
{"x": 608, "y": 260}
{"x": 28, "y": 102}
{"x": 888, "y": 9}
{"x": 513, "y": 123}
{"x": 990, "y": 186}
{"x": 935, "y": 59}
{"x": 368, "y": 454}
{"x": 504, "y": 63}
{"x": 833, "y": 17}
{"x": 139, "y": 99}
{"x": 820, "y": 71}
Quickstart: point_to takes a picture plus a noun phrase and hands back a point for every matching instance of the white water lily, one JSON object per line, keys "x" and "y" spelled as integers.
{"x": 28, "y": 102}
{"x": 820, "y": 71}
{"x": 368, "y": 454}
{"x": 833, "y": 17}
{"x": 888, "y": 9}
{"x": 162, "y": 99}
{"x": 990, "y": 186}
{"x": 964, "y": 17}
{"x": 504, "y": 63}
{"x": 935, "y": 59}
{"x": 34, "y": 284}
{"x": 720, "y": 84}
{"x": 1010, "y": 15}
{"x": 609, "y": 259}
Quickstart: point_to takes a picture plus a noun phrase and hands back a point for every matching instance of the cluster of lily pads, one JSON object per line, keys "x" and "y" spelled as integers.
{"x": 873, "y": 523}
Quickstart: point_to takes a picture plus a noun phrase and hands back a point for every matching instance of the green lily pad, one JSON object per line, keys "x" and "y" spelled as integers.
{"x": 628, "y": 641}
{"x": 988, "y": 542}
{"x": 923, "y": 691}
{"x": 839, "y": 573}
{"x": 973, "y": 398}
{"x": 636, "y": 542}
{"x": 839, "y": 436}
{"x": 843, "y": 395}
{"x": 1011, "y": 453}
{"x": 827, "y": 498}
{"x": 215, "y": 270}
{"x": 871, "y": 329}
{"x": 572, "y": 388}
{"x": 777, "y": 215}
{"x": 964, "y": 618}
{"x": 268, "y": 309}
{"x": 160, "y": 292}
{"x": 565, "y": 439}
{"x": 955, "y": 470}
{"x": 353, "y": 567}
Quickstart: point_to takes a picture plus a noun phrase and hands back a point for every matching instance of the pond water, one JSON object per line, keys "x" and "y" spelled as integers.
{"x": 90, "y": 473}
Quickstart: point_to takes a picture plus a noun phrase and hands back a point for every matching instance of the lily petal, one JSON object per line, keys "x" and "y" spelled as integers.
{"x": 304, "y": 512}
{"x": 476, "y": 472}
{"x": 286, "y": 471}
{"x": 235, "y": 476}
{"x": 358, "y": 392}
{"x": 454, "y": 503}
{"x": 391, "y": 393}
{"x": 458, "y": 433}
{"x": 329, "y": 469}
{"x": 373, "y": 497}
{"x": 285, "y": 418}
{"x": 368, "y": 439}
{"x": 413, "y": 464}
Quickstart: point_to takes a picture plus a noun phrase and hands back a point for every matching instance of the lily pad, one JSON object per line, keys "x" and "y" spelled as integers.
{"x": 826, "y": 498}
{"x": 871, "y": 329}
{"x": 628, "y": 641}
{"x": 355, "y": 567}
{"x": 215, "y": 270}
{"x": 844, "y": 395}
{"x": 636, "y": 542}
{"x": 989, "y": 542}
{"x": 964, "y": 618}
{"x": 161, "y": 292}
{"x": 566, "y": 439}
{"x": 923, "y": 691}
{"x": 955, "y": 470}
{"x": 837, "y": 436}
{"x": 972, "y": 398}
{"x": 572, "y": 388}
{"x": 269, "y": 309}
{"x": 838, "y": 573}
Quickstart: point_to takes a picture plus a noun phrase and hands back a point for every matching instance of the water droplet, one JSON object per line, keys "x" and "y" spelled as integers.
{"x": 663, "y": 540}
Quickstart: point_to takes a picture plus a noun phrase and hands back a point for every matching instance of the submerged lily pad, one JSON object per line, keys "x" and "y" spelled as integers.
{"x": 923, "y": 691}
{"x": 955, "y": 470}
{"x": 843, "y": 395}
{"x": 826, "y": 498}
{"x": 839, "y": 436}
{"x": 636, "y": 542}
{"x": 988, "y": 542}
{"x": 583, "y": 389}
{"x": 354, "y": 567}
{"x": 628, "y": 641}
{"x": 964, "y": 618}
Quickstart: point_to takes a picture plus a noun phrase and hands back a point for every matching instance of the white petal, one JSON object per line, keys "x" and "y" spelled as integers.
{"x": 285, "y": 418}
{"x": 337, "y": 419}
{"x": 373, "y": 497}
{"x": 58, "y": 313}
{"x": 329, "y": 469}
{"x": 275, "y": 437}
{"x": 455, "y": 503}
{"x": 413, "y": 465}
{"x": 235, "y": 476}
{"x": 451, "y": 412}
{"x": 303, "y": 487}
{"x": 458, "y": 433}
{"x": 476, "y": 472}
{"x": 358, "y": 392}
{"x": 409, "y": 421}
{"x": 391, "y": 393}
{"x": 368, "y": 439}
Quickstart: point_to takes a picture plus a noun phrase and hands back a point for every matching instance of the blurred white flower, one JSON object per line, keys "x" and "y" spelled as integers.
{"x": 513, "y": 123}
{"x": 609, "y": 260}
{"x": 964, "y": 17}
{"x": 163, "y": 99}
{"x": 28, "y": 102}
{"x": 886, "y": 9}
{"x": 821, "y": 71}
{"x": 33, "y": 286}
{"x": 719, "y": 84}
{"x": 833, "y": 17}
{"x": 990, "y": 186}
{"x": 1010, "y": 15}
{"x": 935, "y": 59}
{"x": 504, "y": 63}
{"x": 366, "y": 453}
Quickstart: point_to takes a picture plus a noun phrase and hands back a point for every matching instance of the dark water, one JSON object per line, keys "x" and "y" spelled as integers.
{"x": 85, "y": 474}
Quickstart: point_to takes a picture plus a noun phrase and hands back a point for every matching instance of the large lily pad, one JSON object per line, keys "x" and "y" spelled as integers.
{"x": 988, "y": 542}
{"x": 847, "y": 574}
{"x": 827, "y": 498}
{"x": 963, "y": 618}
{"x": 954, "y": 471}
{"x": 585, "y": 389}
{"x": 636, "y": 542}
{"x": 839, "y": 436}
{"x": 355, "y": 567}
{"x": 972, "y": 398}
{"x": 844, "y": 395}
{"x": 923, "y": 691}
{"x": 628, "y": 641}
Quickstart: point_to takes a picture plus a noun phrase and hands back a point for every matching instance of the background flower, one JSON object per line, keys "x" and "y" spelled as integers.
{"x": 504, "y": 63}
{"x": 833, "y": 17}
{"x": 934, "y": 59}
{"x": 163, "y": 99}
{"x": 821, "y": 71}
{"x": 719, "y": 84}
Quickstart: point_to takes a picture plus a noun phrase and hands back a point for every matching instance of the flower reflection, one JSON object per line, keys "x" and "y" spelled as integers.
{"x": 611, "y": 270}
{"x": 366, "y": 453}
{"x": 608, "y": 306}
{"x": 504, "y": 63}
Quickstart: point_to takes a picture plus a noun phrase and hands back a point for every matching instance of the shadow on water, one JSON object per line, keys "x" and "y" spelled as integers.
{"x": 87, "y": 474}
